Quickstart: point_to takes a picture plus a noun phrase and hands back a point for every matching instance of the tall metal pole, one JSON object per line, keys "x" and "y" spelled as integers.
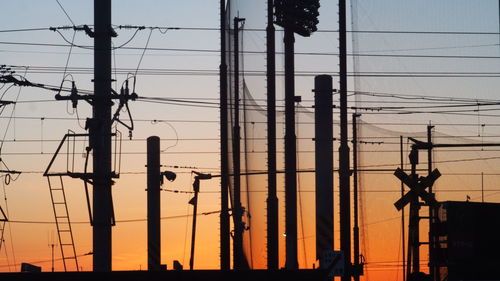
{"x": 153, "y": 202}
{"x": 272, "y": 199}
{"x": 432, "y": 242}
{"x": 402, "y": 210}
{"x": 323, "y": 137}
{"x": 100, "y": 137}
{"x": 237, "y": 208}
{"x": 355, "y": 229}
{"x": 290, "y": 150}
{"x": 344, "y": 170}
{"x": 413, "y": 235}
{"x": 225, "y": 256}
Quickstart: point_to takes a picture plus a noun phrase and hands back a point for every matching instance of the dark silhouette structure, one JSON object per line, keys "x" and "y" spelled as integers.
{"x": 467, "y": 233}
{"x": 224, "y": 181}
{"x": 100, "y": 137}
{"x": 344, "y": 168}
{"x": 185, "y": 275}
{"x": 323, "y": 143}
{"x": 272, "y": 198}
{"x": 153, "y": 202}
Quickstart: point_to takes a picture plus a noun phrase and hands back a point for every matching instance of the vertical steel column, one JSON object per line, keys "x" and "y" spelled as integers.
{"x": 272, "y": 199}
{"x": 224, "y": 148}
{"x": 415, "y": 229}
{"x": 323, "y": 137}
{"x": 153, "y": 201}
{"x": 403, "y": 209}
{"x": 344, "y": 169}
{"x": 413, "y": 235}
{"x": 237, "y": 208}
{"x": 100, "y": 137}
{"x": 355, "y": 229}
{"x": 290, "y": 151}
{"x": 432, "y": 242}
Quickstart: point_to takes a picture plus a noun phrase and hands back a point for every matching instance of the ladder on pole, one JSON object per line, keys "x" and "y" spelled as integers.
{"x": 3, "y": 222}
{"x": 63, "y": 224}
{"x": 2, "y": 230}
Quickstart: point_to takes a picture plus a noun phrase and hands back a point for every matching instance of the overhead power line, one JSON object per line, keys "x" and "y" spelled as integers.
{"x": 198, "y": 28}
{"x": 249, "y": 72}
{"x": 254, "y": 52}
{"x": 118, "y": 221}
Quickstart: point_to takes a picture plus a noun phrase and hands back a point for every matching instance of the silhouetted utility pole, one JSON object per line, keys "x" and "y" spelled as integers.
{"x": 299, "y": 17}
{"x": 224, "y": 181}
{"x": 344, "y": 169}
{"x": 415, "y": 217}
{"x": 100, "y": 137}
{"x": 358, "y": 266}
{"x": 290, "y": 152}
{"x": 433, "y": 270}
{"x": 403, "y": 246}
{"x": 323, "y": 146}
{"x": 272, "y": 199}
{"x": 238, "y": 255}
{"x": 153, "y": 202}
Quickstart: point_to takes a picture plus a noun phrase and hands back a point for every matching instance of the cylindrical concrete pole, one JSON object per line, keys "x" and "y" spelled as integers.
{"x": 323, "y": 119}
{"x": 153, "y": 202}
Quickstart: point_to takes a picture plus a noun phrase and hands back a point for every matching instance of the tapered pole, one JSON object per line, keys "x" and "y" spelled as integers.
{"x": 272, "y": 199}
{"x": 100, "y": 137}
{"x": 153, "y": 202}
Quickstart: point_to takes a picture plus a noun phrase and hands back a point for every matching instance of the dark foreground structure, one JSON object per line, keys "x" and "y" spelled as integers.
{"x": 468, "y": 233}
{"x": 172, "y": 275}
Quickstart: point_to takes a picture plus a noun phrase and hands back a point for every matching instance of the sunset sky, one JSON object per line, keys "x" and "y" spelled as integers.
{"x": 445, "y": 54}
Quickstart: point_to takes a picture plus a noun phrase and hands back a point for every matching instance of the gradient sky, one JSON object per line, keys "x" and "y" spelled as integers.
{"x": 36, "y": 132}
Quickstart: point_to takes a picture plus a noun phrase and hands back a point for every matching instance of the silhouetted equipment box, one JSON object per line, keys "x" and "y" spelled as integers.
{"x": 469, "y": 236}
{"x": 27, "y": 267}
